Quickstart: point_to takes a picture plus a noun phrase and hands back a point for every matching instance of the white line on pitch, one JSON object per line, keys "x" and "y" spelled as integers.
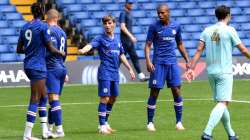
{"x": 122, "y": 102}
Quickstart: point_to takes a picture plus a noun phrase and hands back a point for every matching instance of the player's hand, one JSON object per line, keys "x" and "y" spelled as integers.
{"x": 132, "y": 74}
{"x": 188, "y": 65}
{"x": 189, "y": 75}
{"x": 66, "y": 78}
{"x": 150, "y": 67}
{"x": 63, "y": 53}
{"x": 133, "y": 39}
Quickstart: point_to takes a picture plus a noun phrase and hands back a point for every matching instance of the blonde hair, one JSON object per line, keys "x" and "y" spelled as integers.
{"x": 52, "y": 14}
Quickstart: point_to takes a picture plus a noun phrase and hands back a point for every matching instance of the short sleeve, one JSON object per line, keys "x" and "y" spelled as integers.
{"x": 95, "y": 43}
{"x": 202, "y": 36}
{"x": 46, "y": 33}
{"x": 235, "y": 38}
{"x": 121, "y": 48}
{"x": 122, "y": 17}
{"x": 150, "y": 35}
{"x": 178, "y": 36}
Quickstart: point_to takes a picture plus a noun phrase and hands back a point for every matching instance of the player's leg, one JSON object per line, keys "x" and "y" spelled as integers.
{"x": 156, "y": 82}
{"x": 104, "y": 94}
{"x": 43, "y": 115}
{"x": 222, "y": 85}
{"x": 37, "y": 83}
{"x": 174, "y": 82}
{"x": 114, "y": 91}
{"x": 55, "y": 83}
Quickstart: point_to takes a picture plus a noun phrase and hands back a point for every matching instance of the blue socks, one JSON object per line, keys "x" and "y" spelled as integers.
{"x": 56, "y": 112}
{"x": 31, "y": 113}
{"x": 42, "y": 107}
{"x": 109, "y": 109}
{"x": 178, "y": 108}
{"x": 151, "y": 108}
{"x": 102, "y": 108}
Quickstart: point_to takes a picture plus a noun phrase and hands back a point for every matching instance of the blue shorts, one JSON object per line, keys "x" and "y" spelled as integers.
{"x": 35, "y": 75}
{"x": 108, "y": 88}
{"x": 222, "y": 85}
{"x": 165, "y": 72}
{"x": 55, "y": 80}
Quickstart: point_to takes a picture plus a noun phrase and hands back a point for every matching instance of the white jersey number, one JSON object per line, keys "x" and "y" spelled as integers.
{"x": 28, "y": 36}
{"x": 62, "y": 47}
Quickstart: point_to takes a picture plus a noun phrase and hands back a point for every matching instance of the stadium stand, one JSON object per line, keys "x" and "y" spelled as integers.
{"x": 84, "y": 19}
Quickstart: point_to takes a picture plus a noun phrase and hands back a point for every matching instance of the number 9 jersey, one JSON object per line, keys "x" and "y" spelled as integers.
{"x": 35, "y": 35}
{"x": 59, "y": 38}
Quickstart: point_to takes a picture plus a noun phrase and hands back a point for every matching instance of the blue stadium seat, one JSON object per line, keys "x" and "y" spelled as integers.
{"x": 196, "y": 35}
{"x": 94, "y": 7}
{"x": 13, "y": 16}
{"x": 195, "y": 12}
{"x": 209, "y": 12}
{"x": 12, "y": 48}
{"x": 4, "y": 2}
{"x": 11, "y": 39}
{"x": 74, "y": 7}
{"x": 141, "y": 37}
{"x": 207, "y": 4}
{"x": 8, "y": 31}
{"x": 85, "y": 1}
{"x": 8, "y": 57}
{"x": 192, "y": 28}
{"x": 145, "y": 21}
{"x": 191, "y": 44}
{"x": 242, "y": 3}
{"x": 112, "y": 7}
{"x": 81, "y": 15}
{"x": 245, "y": 26}
{"x": 4, "y": 49}
{"x": 246, "y": 42}
{"x": 95, "y": 30}
{"x": 239, "y": 18}
{"x": 149, "y": 6}
{"x": 20, "y": 57}
{"x": 17, "y": 23}
{"x": 7, "y": 8}
{"x": 152, "y": 13}
{"x": 178, "y": 12}
{"x": 236, "y": 11}
{"x": 66, "y": 1}
{"x": 3, "y": 24}
{"x": 191, "y": 52}
{"x": 140, "y": 53}
{"x": 185, "y": 20}
{"x": 98, "y": 14}
{"x": 229, "y": 3}
{"x": 137, "y": 29}
{"x": 89, "y": 22}
{"x": 186, "y": 36}
{"x": 139, "y": 14}
{"x": 104, "y": 1}
{"x": 177, "y": 52}
{"x": 204, "y": 19}
{"x": 236, "y": 52}
{"x": 185, "y": 4}
{"x": 246, "y": 10}
{"x": 242, "y": 34}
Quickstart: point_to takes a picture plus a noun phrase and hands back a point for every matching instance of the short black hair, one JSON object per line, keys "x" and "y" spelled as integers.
{"x": 222, "y": 11}
{"x": 37, "y": 10}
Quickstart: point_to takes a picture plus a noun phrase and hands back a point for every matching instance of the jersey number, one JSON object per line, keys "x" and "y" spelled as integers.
{"x": 28, "y": 36}
{"x": 62, "y": 47}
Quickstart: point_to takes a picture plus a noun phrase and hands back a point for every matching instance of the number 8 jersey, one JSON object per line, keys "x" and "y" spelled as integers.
{"x": 35, "y": 35}
{"x": 59, "y": 38}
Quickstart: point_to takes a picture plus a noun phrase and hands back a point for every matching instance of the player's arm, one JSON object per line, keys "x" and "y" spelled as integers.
{"x": 126, "y": 31}
{"x": 20, "y": 47}
{"x": 147, "y": 48}
{"x": 197, "y": 54}
{"x": 53, "y": 50}
{"x": 183, "y": 51}
{"x": 85, "y": 49}
{"x": 127, "y": 65}
{"x": 243, "y": 49}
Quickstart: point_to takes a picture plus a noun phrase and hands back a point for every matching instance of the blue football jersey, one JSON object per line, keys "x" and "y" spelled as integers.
{"x": 35, "y": 35}
{"x": 59, "y": 38}
{"x": 164, "y": 38}
{"x": 109, "y": 50}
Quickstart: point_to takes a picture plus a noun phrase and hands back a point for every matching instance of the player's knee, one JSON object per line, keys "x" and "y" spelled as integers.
{"x": 104, "y": 99}
{"x": 53, "y": 97}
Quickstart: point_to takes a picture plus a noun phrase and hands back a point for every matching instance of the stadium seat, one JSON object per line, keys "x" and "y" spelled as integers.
{"x": 89, "y": 22}
{"x": 140, "y": 53}
{"x": 8, "y": 31}
{"x": 184, "y": 20}
{"x": 81, "y": 15}
{"x": 94, "y": 7}
{"x": 104, "y": 1}
{"x": 74, "y": 7}
{"x": 85, "y": 1}
{"x": 149, "y": 6}
{"x": 20, "y": 57}
{"x": 191, "y": 44}
{"x": 204, "y": 19}
{"x": 137, "y": 29}
{"x": 242, "y": 3}
{"x": 186, "y": 4}
{"x": 245, "y": 26}
{"x": 11, "y": 39}
{"x": 4, "y": 49}
{"x": 192, "y": 28}
{"x": 66, "y": 1}
{"x": 95, "y": 30}
{"x": 240, "y": 19}
{"x": 196, "y": 35}
{"x": 229, "y": 3}
{"x": 207, "y": 4}
{"x": 4, "y": 2}
{"x": 186, "y": 36}
{"x": 3, "y": 24}
{"x": 7, "y": 8}
{"x": 99, "y": 14}
{"x": 246, "y": 11}
{"x": 152, "y": 13}
{"x": 13, "y": 16}
{"x": 178, "y": 12}
{"x": 246, "y": 42}
{"x": 195, "y": 12}
{"x": 112, "y": 7}
{"x": 145, "y": 21}
{"x": 138, "y": 14}
{"x": 8, "y": 57}
{"x": 17, "y": 23}
{"x": 236, "y": 11}
{"x": 141, "y": 37}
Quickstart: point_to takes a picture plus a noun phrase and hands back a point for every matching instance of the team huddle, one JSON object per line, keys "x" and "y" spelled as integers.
{"x": 45, "y": 49}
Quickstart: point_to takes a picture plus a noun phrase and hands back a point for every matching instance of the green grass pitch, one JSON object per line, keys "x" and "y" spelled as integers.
{"x": 129, "y": 113}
